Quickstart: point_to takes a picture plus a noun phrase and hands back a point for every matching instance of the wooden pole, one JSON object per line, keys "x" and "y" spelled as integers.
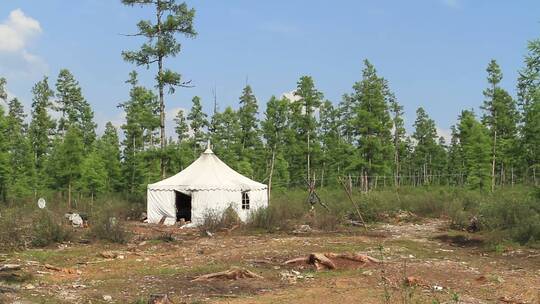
{"x": 349, "y": 195}
{"x": 493, "y": 162}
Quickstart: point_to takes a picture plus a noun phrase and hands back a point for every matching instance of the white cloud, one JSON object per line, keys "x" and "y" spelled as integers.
{"x": 17, "y": 32}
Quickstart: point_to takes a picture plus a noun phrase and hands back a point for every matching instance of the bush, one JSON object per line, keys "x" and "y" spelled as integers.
{"x": 229, "y": 218}
{"x": 326, "y": 220}
{"x": 48, "y": 229}
{"x": 516, "y": 214}
{"x": 213, "y": 221}
{"x": 104, "y": 225}
{"x": 11, "y": 229}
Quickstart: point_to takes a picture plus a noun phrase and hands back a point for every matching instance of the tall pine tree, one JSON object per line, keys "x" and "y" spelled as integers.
{"x": 529, "y": 101}
{"x": 372, "y": 126}
{"x": 501, "y": 117}
{"x": 171, "y": 18}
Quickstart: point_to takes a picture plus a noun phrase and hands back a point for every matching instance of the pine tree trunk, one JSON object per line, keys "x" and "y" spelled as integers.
{"x": 69, "y": 194}
{"x": 308, "y": 158}
{"x": 271, "y": 173}
{"x": 493, "y": 162}
{"x": 161, "y": 97}
{"x": 512, "y": 172}
{"x": 534, "y": 176}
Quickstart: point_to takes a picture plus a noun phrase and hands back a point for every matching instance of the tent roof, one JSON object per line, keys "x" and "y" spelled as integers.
{"x": 208, "y": 172}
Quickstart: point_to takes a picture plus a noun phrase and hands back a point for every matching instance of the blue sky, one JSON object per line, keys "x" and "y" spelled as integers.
{"x": 433, "y": 52}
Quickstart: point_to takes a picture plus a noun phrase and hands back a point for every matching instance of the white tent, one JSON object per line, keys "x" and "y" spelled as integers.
{"x": 207, "y": 185}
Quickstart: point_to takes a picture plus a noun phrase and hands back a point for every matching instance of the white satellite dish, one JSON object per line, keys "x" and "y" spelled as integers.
{"x": 41, "y": 203}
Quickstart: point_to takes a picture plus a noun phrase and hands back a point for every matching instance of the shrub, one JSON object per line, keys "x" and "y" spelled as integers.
{"x": 326, "y": 220}
{"x": 267, "y": 219}
{"x": 229, "y": 218}
{"x": 213, "y": 221}
{"x": 48, "y": 229}
{"x": 516, "y": 214}
{"x": 11, "y": 231}
{"x": 106, "y": 226}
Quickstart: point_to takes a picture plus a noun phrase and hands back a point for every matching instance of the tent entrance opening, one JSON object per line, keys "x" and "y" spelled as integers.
{"x": 183, "y": 206}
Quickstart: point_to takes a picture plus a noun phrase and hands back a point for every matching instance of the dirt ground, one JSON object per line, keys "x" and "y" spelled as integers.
{"x": 441, "y": 267}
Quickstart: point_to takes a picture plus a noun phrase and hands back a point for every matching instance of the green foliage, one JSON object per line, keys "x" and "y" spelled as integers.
{"x": 372, "y": 124}
{"x": 198, "y": 122}
{"x": 106, "y": 225}
{"x": 515, "y": 213}
{"x": 65, "y": 161}
{"x": 303, "y": 146}
{"x": 250, "y": 155}
{"x": 4, "y": 152}
{"x": 93, "y": 179}
{"x": 171, "y": 19}
{"x": 529, "y": 101}
{"x": 108, "y": 153}
{"x": 474, "y": 151}
{"x": 42, "y": 126}
{"x": 48, "y": 229}
{"x": 181, "y": 127}
{"x": 142, "y": 121}
{"x": 12, "y": 234}
{"x": 75, "y": 110}
{"x": 226, "y": 136}
{"x": 214, "y": 221}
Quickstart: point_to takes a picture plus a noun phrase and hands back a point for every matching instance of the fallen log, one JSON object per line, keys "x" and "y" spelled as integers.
{"x": 321, "y": 261}
{"x": 231, "y": 274}
{"x": 65, "y": 270}
{"x": 108, "y": 254}
{"x": 324, "y": 260}
{"x": 357, "y": 257}
{"x": 10, "y": 267}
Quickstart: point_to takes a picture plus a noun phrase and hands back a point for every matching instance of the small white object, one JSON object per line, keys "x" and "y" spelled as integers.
{"x": 437, "y": 288}
{"x": 41, "y": 203}
{"x": 76, "y": 220}
{"x": 107, "y": 298}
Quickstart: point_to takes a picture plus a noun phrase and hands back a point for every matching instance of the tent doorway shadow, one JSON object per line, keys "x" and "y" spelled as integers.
{"x": 183, "y": 206}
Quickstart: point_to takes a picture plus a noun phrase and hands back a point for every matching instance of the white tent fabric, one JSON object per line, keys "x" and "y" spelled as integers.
{"x": 213, "y": 187}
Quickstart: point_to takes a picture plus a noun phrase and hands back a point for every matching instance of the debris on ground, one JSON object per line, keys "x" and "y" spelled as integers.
{"x": 412, "y": 281}
{"x": 7, "y": 289}
{"x": 231, "y": 274}
{"x": 75, "y": 219}
{"x": 405, "y": 216}
{"x": 474, "y": 225}
{"x": 107, "y": 298}
{"x": 325, "y": 260}
{"x": 64, "y": 270}
{"x": 10, "y": 267}
{"x": 108, "y": 254}
{"x": 510, "y": 300}
{"x": 293, "y": 276}
{"x": 159, "y": 299}
{"x": 303, "y": 229}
